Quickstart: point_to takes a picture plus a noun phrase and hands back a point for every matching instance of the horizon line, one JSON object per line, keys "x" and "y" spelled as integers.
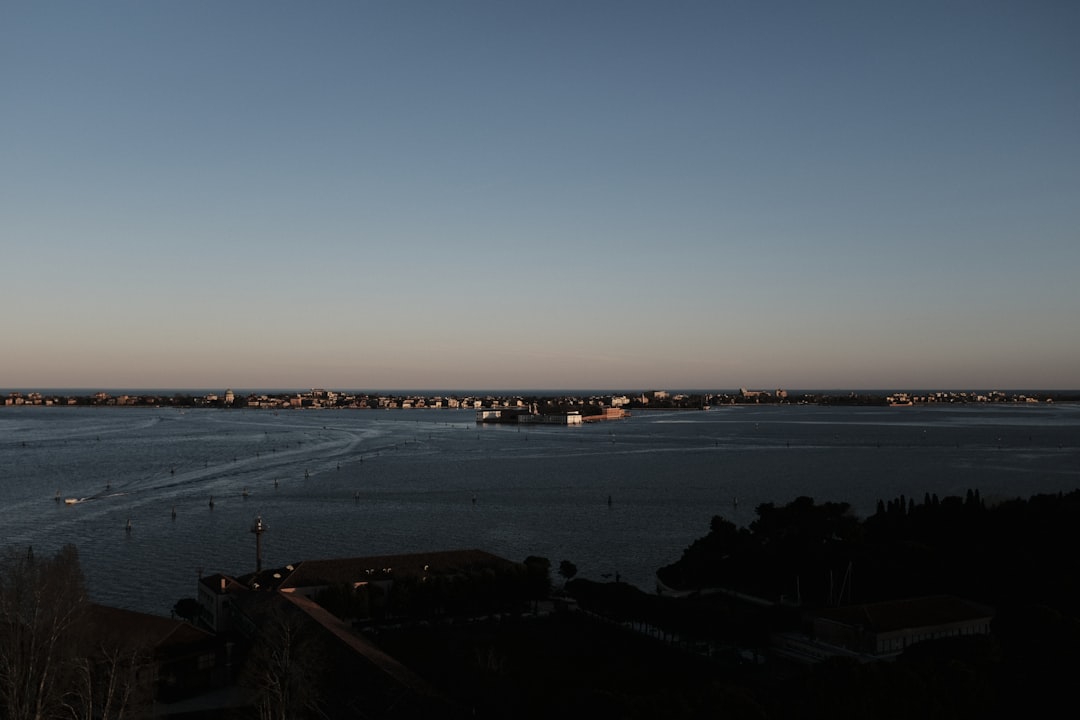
{"x": 524, "y": 390}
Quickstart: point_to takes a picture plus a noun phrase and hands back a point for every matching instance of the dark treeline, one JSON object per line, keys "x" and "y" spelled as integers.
{"x": 1017, "y": 551}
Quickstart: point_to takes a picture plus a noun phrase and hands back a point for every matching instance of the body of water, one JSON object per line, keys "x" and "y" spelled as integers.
{"x": 351, "y": 483}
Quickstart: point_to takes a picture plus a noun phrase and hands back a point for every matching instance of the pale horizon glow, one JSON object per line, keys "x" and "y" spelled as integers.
{"x": 503, "y": 195}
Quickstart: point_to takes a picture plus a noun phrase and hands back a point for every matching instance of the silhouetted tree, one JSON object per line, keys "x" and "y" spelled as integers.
{"x": 567, "y": 570}
{"x": 41, "y": 604}
{"x": 285, "y": 667}
{"x": 186, "y": 609}
{"x": 111, "y": 681}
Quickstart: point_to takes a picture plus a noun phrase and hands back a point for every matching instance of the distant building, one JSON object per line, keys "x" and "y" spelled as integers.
{"x": 220, "y": 595}
{"x": 611, "y": 413}
{"x": 310, "y": 576}
{"x": 356, "y": 678}
{"x": 216, "y": 596}
{"x": 886, "y": 628}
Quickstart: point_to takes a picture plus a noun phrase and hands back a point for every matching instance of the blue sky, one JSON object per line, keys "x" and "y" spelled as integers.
{"x": 540, "y": 194}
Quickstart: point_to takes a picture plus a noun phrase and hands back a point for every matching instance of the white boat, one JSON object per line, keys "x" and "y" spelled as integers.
{"x": 71, "y": 501}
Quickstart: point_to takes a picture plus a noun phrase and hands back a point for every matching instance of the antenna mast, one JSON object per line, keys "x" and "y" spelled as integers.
{"x": 258, "y": 528}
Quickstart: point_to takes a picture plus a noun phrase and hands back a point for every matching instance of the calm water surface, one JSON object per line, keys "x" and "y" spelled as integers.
{"x": 347, "y": 483}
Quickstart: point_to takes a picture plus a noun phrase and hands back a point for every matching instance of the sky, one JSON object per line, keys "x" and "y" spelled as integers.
{"x": 497, "y": 195}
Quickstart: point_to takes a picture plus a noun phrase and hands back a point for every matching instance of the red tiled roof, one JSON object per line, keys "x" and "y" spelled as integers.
{"x": 151, "y": 630}
{"x": 340, "y": 571}
{"x": 361, "y": 646}
{"x": 220, "y": 583}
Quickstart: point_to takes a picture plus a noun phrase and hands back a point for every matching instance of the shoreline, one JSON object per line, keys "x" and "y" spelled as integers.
{"x": 587, "y": 404}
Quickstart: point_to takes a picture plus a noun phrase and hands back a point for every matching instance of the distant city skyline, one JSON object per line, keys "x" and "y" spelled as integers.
{"x": 956, "y": 394}
{"x": 503, "y": 196}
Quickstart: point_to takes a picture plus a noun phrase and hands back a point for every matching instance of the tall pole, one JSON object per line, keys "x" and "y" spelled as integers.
{"x": 258, "y": 528}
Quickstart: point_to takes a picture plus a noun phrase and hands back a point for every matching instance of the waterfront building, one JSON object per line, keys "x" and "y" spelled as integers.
{"x": 883, "y": 630}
